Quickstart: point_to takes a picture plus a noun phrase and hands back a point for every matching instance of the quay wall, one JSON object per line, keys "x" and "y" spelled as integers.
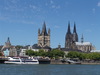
{"x": 82, "y": 62}
{"x": 57, "y": 62}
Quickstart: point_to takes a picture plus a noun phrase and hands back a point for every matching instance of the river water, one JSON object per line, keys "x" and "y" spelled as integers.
{"x": 11, "y": 69}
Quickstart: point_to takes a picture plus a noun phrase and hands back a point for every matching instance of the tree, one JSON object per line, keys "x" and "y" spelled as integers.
{"x": 82, "y": 56}
{"x": 42, "y": 53}
{"x": 18, "y": 47}
{"x": 56, "y": 53}
{"x": 30, "y": 52}
{"x": 1, "y": 54}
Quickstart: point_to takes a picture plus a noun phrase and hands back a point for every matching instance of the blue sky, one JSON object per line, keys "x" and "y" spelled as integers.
{"x": 20, "y": 20}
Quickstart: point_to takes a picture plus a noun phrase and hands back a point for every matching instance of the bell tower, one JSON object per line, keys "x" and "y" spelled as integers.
{"x": 44, "y": 37}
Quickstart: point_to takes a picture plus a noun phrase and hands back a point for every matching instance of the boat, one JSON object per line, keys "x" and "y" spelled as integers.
{"x": 3, "y": 59}
{"x": 19, "y": 60}
{"x": 44, "y": 61}
{"x": 73, "y": 62}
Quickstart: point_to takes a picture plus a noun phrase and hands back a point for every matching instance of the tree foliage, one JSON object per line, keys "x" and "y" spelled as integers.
{"x": 19, "y": 47}
{"x": 1, "y": 54}
{"x": 56, "y": 53}
{"x": 51, "y": 54}
{"x": 82, "y": 56}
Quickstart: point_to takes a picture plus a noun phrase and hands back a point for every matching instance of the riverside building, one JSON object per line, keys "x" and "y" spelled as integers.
{"x": 71, "y": 41}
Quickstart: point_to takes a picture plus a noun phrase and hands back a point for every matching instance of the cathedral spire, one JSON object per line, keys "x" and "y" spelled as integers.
{"x": 8, "y": 44}
{"x": 68, "y": 32}
{"x": 82, "y": 39}
{"x": 74, "y": 31}
{"x": 8, "y": 40}
{"x": 49, "y": 31}
{"x": 44, "y": 31}
{"x": 39, "y": 31}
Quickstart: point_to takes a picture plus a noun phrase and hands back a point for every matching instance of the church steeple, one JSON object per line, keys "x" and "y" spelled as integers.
{"x": 8, "y": 41}
{"x": 49, "y": 31}
{"x": 44, "y": 31}
{"x": 75, "y": 36}
{"x": 82, "y": 39}
{"x": 44, "y": 37}
{"x": 68, "y": 32}
{"x": 74, "y": 31}
{"x": 39, "y": 31}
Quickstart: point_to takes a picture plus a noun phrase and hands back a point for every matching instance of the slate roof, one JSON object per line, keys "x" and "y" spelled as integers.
{"x": 35, "y": 46}
{"x": 67, "y": 49}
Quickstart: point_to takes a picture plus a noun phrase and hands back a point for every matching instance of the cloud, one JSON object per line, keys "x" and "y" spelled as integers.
{"x": 56, "y": 26}
{"x": 14, "y": 1}
{"x": 33, "y": 6}
{"x": 93, "y": 10}
{"x": 98, "y": 4}
{"x": 51, "y": 2}
{"x": 88, "y": 30}
{"x": 27, "y": 22}
{"x": 56, "y": 7}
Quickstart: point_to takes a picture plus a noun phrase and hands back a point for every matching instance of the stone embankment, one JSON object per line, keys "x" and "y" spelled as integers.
{"x": 57, "y": 62}
{"x": 81, "y": 62}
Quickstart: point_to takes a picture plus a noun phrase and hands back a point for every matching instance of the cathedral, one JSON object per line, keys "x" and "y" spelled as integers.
{"x": 71, "y": 38}
{"x": 71, "y": 41}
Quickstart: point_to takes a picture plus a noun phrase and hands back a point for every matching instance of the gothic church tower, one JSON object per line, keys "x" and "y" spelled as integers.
{"x": 75, "y": 36}
{"x": 68, "y": 38}
{"x": 71, "y": 38}
{"x": 44, "y": 37}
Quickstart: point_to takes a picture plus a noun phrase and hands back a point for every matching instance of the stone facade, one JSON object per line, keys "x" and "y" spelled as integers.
{"x": 44, "y": 37}
{"x": 71, "y": 38}
{"x": 11, "y": 48}
{"x": 84, "y": 46}
{"x": 71, "y": 41}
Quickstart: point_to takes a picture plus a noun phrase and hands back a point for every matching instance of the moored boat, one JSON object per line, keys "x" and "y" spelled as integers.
{"x": 44, "y": 61}
{"x": 19, "y": 60}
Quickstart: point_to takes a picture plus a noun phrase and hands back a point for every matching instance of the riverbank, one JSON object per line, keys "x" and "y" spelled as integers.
{"x": 81, "y": 62}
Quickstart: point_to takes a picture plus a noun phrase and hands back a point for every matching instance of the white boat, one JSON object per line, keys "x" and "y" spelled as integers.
{"x": 18, "y": 60}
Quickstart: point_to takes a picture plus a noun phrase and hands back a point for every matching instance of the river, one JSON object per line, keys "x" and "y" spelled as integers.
{"x": 11, "y": 69}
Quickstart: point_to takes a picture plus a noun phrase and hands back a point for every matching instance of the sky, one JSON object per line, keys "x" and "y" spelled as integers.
{"x": 21, "y": 19}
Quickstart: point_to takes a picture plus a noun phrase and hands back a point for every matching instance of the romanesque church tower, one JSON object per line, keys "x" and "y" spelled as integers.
{"x": 71, "y": 38}
{"x": 44, "y": 37}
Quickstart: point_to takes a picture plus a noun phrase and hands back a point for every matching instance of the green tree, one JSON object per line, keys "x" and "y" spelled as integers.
{"x": 30, "y": 52}
{"x": 18, "y": 47}
{"x": 56, "y": 53}
{"x": 1, "y": 54}
{"x": 42, "y": 53}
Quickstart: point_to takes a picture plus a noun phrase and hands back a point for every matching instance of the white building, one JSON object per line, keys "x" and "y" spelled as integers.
{"x": 95, "y": 51}
{"x": 84, "y": 46}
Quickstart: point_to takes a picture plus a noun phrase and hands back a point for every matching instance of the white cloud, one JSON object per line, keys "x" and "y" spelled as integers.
{"x": 33, "y": 6}
{"x": 51, "y": 2}
{"x": 54, "y": 6}
{"x": 88, "y": 30}
{"x": 56, "y": 26}
{"x": 14, "y": 1}
{"x": 93, "y": 10}
{"x": 98, "y": 4}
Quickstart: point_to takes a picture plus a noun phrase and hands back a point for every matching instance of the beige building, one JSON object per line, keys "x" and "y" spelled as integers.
{"x": 10, "y": 48}
{"x": 44, "y": 37}
{"x": 84, "y": 46}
